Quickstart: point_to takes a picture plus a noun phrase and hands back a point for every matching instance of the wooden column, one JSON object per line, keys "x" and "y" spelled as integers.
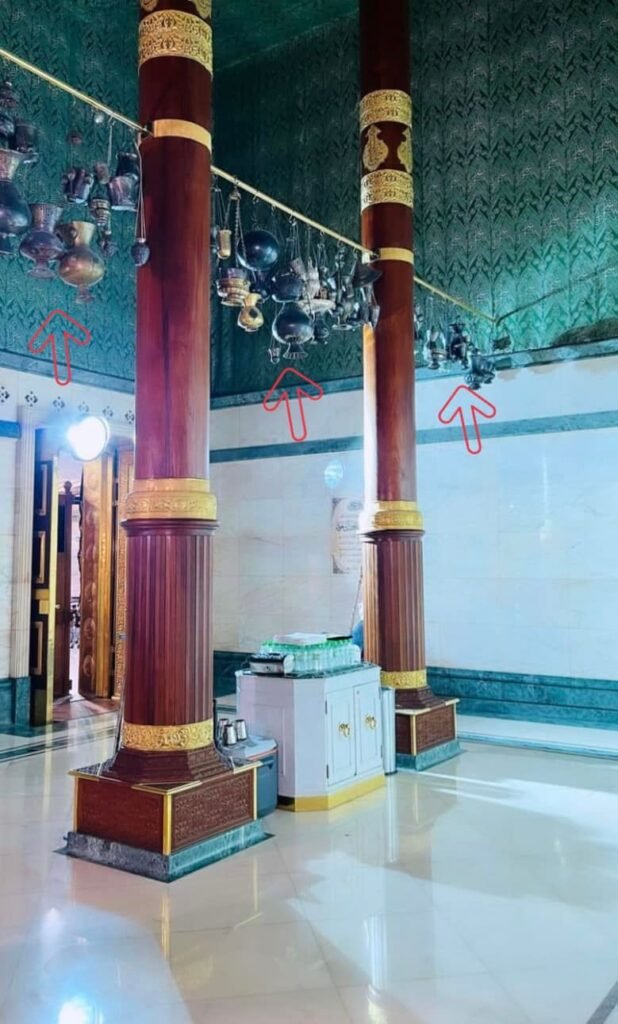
{"x": 391, "y": 523}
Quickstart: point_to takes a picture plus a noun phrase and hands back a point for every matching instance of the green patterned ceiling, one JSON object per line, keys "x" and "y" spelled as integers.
{"x": 244, "y": 28}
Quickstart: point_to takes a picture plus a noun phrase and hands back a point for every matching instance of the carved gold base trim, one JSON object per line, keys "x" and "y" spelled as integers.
{"x": 385, "y": 105}
{"x": 416, "y": 680}
{"x": 164, "y": 738}
{"x": 387, "y": 186}
{"x": 390, "y": 515}
{"x": 390, "y": 253}
{"x": 171, "y": 498}
{"x": 175, "y": 34}
{"x": 171, "y": 127}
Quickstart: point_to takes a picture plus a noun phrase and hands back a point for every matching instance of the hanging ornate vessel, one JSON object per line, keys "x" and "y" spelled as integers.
{"x": 287, "y": 286}
{"x": 293, "y": 325}
{"x": 123, "y": 188}
{"x": 41, "y": 243}
{"x": 258, "y": 250}
{"x": 233, "y": 286}
{"x": 77, "y": 185}
{"x": 14, "y": 210}
{"x": 251, "y": 317}
{"x": 81, "y": 267}
{"x": 223, "y": 246}
{"x": 8, "y": 102}
{"x": 26, "y": 141}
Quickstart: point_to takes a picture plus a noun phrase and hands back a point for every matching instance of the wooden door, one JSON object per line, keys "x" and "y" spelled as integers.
{"x": 44, "y": 559}
{"x": 62, "y": 657}
{"x": 123, "y": 474}
{"x": 95, "y": 641}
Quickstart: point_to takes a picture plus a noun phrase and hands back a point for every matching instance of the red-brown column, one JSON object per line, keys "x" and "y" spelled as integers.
{"x": 391, "y": 523}
{"x": 170, "y": 514}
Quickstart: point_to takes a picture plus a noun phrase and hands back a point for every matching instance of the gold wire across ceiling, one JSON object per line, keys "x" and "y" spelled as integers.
{"x": 140, "y": 129}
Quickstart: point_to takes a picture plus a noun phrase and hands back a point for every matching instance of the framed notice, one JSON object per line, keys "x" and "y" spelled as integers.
{"x": 345, "y": 543}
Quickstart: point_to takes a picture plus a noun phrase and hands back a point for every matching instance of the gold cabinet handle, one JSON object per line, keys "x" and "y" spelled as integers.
{"x": 370, "y": 721}
{"x": 344, "y": 729}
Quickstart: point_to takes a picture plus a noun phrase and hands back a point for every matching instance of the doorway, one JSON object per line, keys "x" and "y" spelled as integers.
{"x": 78, "y": 613}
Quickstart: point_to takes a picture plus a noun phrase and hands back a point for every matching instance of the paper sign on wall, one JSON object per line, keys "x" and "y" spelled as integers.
{"x": 345, "y": 543}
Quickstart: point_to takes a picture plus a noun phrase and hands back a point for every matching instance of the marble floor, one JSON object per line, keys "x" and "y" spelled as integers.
{"x": 484, "y": 891}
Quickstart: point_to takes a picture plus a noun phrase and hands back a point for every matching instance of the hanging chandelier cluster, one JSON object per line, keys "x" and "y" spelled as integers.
{"x": 312, "y": 293}
{"x": 58, "y": 237}
{"x": 446, "y": 344}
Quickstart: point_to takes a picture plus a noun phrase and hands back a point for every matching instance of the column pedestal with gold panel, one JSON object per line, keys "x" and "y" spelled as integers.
{"x": 391, "y": 523}
{"x": 166, "y": 803}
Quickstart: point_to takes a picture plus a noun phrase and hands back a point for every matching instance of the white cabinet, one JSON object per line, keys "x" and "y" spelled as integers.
{"x": 328, "y": 730}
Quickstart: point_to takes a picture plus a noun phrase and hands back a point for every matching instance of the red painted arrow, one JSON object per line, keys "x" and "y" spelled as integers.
{"x": 465, "y": 400}
{"x": 67, "y": 338}
{"x": 271, "y": 402}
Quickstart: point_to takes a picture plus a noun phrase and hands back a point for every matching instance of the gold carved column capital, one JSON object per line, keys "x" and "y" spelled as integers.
{"x": 162, "y": 738}
{"x": 386, "y": 105}
{"x": 390, "y": 515}
{"x": 175, "y": 34}
{"x": 171, "y": 498}
{"x": 387, "y": 186}
{"x": 414, "y": 680}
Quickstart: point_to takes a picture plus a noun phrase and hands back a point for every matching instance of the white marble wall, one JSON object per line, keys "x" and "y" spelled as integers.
{"x": 521, "y": 559}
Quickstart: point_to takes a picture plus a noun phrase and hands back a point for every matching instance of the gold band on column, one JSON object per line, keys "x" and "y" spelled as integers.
{"x": 387, "y": 186}
{"x": 172, "y": 127}
{"x": 385, "y": 105}
{"x": 171, "y": 498}
{"x": 390, "y": 515}
{"x": 162, "y": 738}
{"x": 175, "y": 34}
{"x": 416, "y": 680}
{"x": 394, "y": 253}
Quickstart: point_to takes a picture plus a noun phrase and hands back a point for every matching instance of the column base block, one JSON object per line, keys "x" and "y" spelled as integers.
{"x": 426, "y": 736}
{"x": 171, "y": 829}
{"x": 164, "y": 867}
{"x": 428, "y": 758}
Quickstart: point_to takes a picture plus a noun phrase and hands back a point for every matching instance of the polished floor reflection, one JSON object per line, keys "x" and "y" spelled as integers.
{"x": 482, "y": 892}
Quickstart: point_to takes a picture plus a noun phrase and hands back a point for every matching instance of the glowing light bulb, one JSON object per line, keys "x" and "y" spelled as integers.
{"x": 88, "y": 438}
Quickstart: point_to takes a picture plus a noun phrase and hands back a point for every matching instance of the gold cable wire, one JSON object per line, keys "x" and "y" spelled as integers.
{"x": 142, "y": 130}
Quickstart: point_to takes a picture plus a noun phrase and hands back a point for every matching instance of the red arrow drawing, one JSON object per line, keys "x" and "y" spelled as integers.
{"x": 465, "y": 400}
{"x": 272, "y": 402}
{"x": 49, "y": 338}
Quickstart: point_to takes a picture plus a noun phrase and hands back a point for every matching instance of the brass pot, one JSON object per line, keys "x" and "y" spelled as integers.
{"x": 81, "y": 267}
{"x": 251, "y": 317}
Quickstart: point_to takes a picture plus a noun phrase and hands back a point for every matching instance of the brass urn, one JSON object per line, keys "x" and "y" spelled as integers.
{"x": 81, "y": 267}
{"x": 251, "y": 317}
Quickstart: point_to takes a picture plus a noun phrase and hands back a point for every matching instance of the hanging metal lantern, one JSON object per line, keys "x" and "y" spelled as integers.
{"x": 481, "y": 370}
{"x": 8, "y": 102}
{"x": 15, "y": 214}
{"x": 140, "y": 252}
{"x": 293, "y": 325}
{"x": 41, "y": 243}
{"x": 77, "y": 184}
{"x": 286, "y": 286}
{"x": 123, "y": 188}
{"x": 434, "y": 351}
{"x": 81, "y": 267}
{"x": 258, "y": 250}
{"x": 26, "y": 140}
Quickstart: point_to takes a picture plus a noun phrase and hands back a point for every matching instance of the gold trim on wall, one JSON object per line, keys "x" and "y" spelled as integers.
{"x": 175, "y": 34}
{"x": 171, "y": 498}
{"x": 390, "y": 515}
{"x": 387, "y": 186}
{"x": 167, "y": 737}
{"x": 385, "y": 105}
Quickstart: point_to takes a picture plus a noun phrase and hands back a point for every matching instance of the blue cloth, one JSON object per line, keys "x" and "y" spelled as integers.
{"x": 358, "y": 635}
